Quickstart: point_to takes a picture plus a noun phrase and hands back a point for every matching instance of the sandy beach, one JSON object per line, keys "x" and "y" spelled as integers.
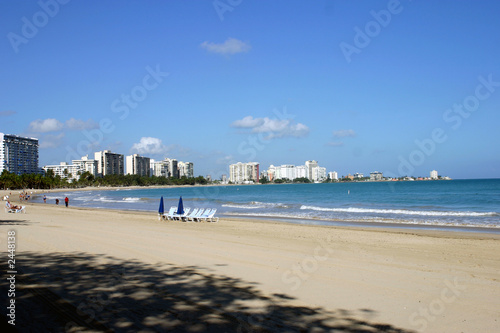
{"x": 82, "y": 269}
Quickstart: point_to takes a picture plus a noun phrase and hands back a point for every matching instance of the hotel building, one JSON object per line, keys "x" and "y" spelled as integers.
{"x": 244, "y": 172}
{"x": 137, "y": 165}
{"x": 86, "y": 165}
{"x": 376, "y": 176}
{"x": 185, "y": 169}
{"x": 309, "y": 166}
{"x": 18, "y": 154}
{"x": 64, "y": 170}
{"x": 310, "y": 170}
{"x": 109, "y": 163}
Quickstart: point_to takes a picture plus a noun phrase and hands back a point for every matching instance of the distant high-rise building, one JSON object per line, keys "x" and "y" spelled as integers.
{"x": 333, "y": 175}
{"x": 243, "y": 172}
{"x": 309, "y": 166}
{"x": 86, "y": 165}
{"x": 137, "y": 165}
{"x": 109, "y": 163}
{"x": 318, "y": 174}
{"x": 185, "y": 169}
{"x": 376, "y": 176}
{"x": 173, "y": 168}
{"x": 434, "y": 174}
{"x": 160, "y": 168}
{"x": 301, "y": 171}
{"x": 18, "y": 154}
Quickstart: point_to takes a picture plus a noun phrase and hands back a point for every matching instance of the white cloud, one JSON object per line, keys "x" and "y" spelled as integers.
{"x": 149, "y": 146}
{"x": 46, "y": 125}
{"x": 247, "y": 122}
{"x": 230, "y": 46}
{"x": 344, "y": 133}
{"x": 276, "y": 128}
{"x": 80, "y": 125}
{"x": 51, "y": 140}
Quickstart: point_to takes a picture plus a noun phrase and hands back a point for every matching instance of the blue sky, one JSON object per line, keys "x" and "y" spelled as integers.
{"x": 401, "y": 87}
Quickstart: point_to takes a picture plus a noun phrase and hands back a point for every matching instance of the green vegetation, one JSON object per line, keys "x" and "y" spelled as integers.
{"x": 49, "y": 181}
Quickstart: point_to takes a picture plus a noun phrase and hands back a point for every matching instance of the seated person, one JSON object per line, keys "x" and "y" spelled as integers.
{"x": 11, "y": 206}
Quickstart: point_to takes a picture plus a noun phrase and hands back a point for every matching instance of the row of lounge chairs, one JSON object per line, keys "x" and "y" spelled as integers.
{"x": 196, "y": 215}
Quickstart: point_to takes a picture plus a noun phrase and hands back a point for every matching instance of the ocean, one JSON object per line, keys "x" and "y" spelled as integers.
{"x": 460, "y": 203}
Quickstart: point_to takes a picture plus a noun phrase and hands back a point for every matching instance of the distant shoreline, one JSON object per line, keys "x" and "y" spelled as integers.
{"x": 135, "y": 187}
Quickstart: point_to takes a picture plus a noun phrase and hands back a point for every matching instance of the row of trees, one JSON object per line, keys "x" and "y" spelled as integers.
{"x": 264, "y": 180}
{"x": 49, "y": 181}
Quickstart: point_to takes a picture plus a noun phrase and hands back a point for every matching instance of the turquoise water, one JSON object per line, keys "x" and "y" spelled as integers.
{"x": 465, "y": 203}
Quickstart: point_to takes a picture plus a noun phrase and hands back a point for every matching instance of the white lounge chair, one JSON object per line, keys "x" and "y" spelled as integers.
{"x": 194, "y": 212}
{"x": 212, "y": 216}
{"x": 9, "y": 209}
{"x": 181, "y": 216}
{"x": 170, "y": 213}
{"x": 208, "y": 216}
{"x": 193, "y": 217}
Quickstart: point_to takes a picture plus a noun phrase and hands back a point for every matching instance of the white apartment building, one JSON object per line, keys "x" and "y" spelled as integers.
{"x": 64, "y": 170}
{"x": 318, "y": 174}
{"x": 86, "y": 165}
{"x": 18, "y": 154}
{"x": 290, "y": 172}
{"x": 244, "y": 172}
{"x": 286, "y": 171}
{"x": 434, "y": 174}
{"x": 333, "y": 175}
{"x": 376, "y": 176}
{"x": 109, "y": 163}
{"x": 173, "y": 167}
{"x": 301, "y": 171}
{"x": 159, "y": 168}
{"x": 309, "y": 166}
{"x": 137, "y": 165}
{"x": 186, "y": 169}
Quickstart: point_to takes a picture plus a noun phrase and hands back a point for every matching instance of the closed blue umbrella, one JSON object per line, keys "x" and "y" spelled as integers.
{"x": 180, "y": 207}
{"x": 161, "y": 209}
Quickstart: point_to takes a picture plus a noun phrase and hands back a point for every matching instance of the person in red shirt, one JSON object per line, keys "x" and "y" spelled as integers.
{"x": 66, "y": 201}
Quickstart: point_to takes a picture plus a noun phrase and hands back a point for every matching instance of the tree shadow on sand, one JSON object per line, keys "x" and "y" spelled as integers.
{"x": 102, "y": 293}
{"x": 15, "y": 222}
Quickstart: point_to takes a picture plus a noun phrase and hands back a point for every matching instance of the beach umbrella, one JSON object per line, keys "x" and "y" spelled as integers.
{"x": 161, "y": 209}
{"x": 180, "y": 207}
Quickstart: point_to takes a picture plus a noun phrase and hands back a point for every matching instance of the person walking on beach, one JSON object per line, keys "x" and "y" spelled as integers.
{"x": 66, "y": 201}
{"x": 57, "y": 201}
{"x": 44, "y": 199}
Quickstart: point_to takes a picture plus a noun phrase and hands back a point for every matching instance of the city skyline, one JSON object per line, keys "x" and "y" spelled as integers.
{"x": 356, "y": 86}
